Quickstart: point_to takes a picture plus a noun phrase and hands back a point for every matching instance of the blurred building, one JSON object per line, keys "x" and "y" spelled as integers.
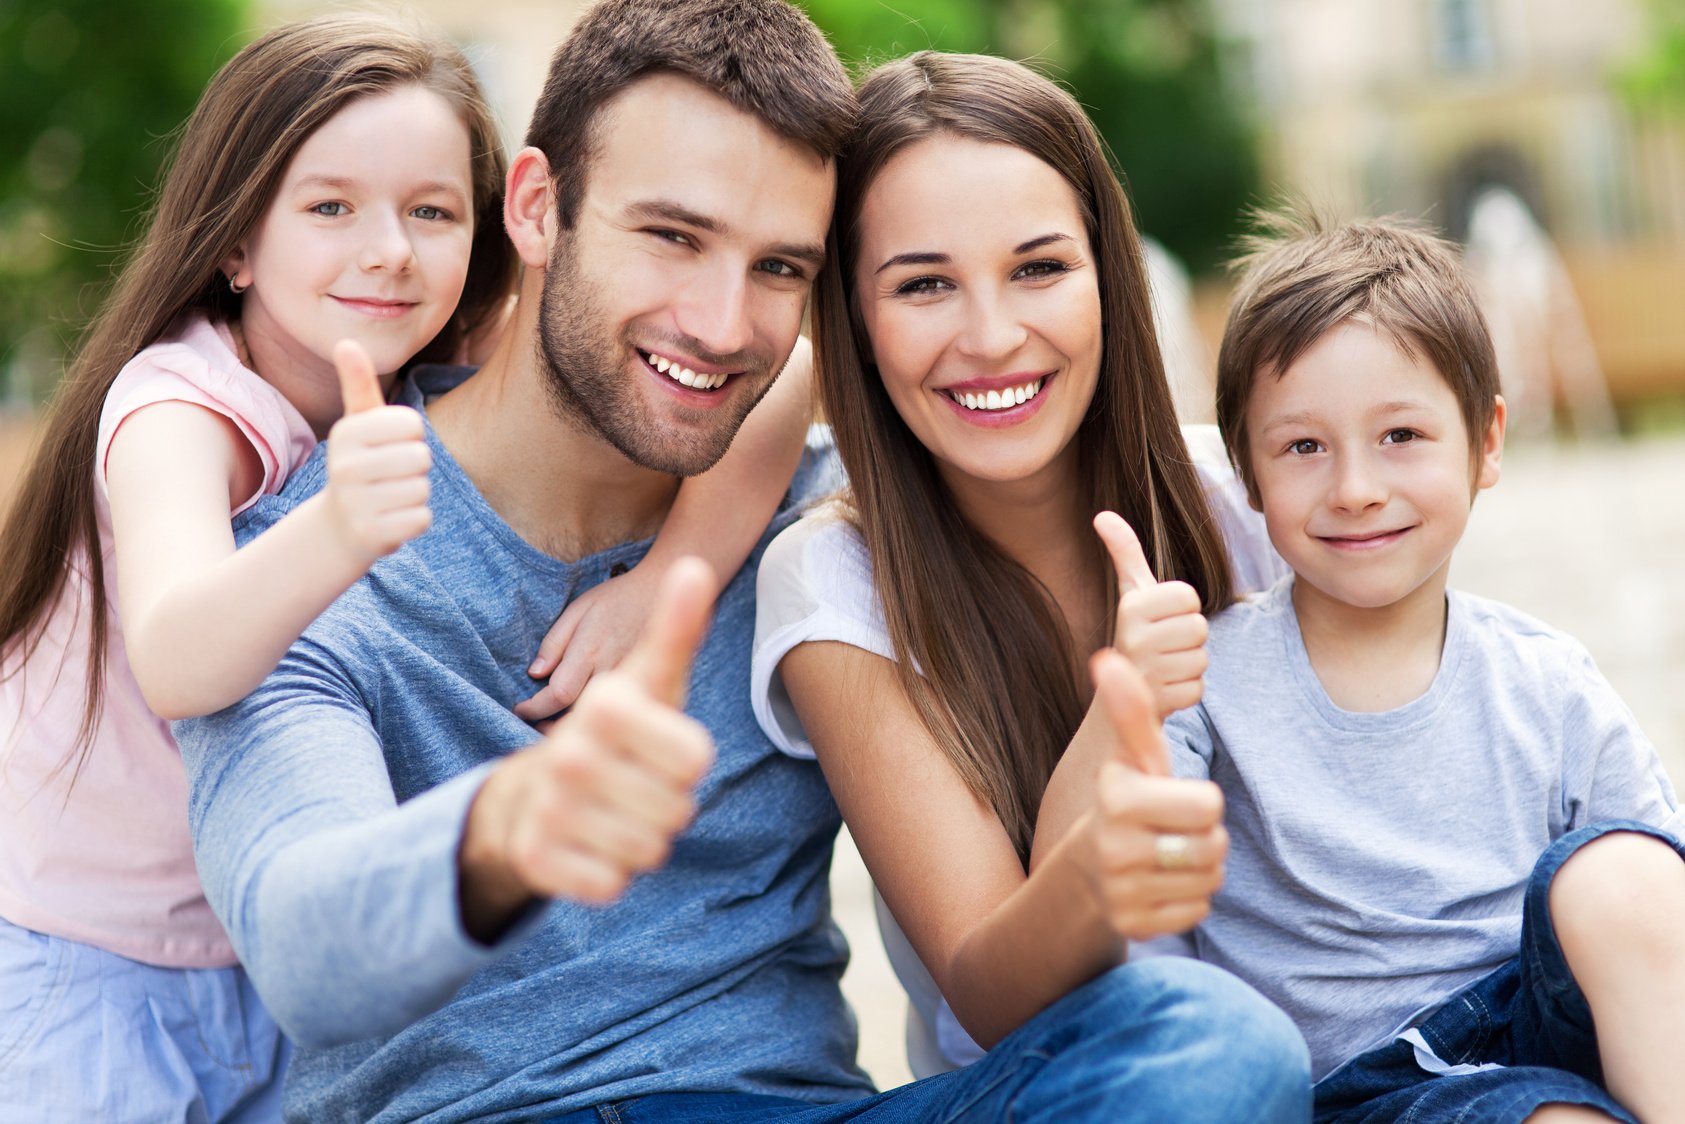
{"x": 1419, "y": 106}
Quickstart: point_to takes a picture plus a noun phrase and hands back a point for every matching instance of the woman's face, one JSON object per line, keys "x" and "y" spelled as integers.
{"x": 981, "y": 302}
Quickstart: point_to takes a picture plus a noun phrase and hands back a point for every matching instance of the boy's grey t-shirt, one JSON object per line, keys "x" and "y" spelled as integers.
{"x": 327, "y": 808}
{"x": 1378, "y": 860}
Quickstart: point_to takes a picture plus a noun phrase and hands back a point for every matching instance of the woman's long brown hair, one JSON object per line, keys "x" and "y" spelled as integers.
{"x": 256, "y": 112}
{"x": 999, "y": 685}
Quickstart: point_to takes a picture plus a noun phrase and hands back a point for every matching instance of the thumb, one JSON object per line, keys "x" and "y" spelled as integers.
{"x": 1128, "y": 708}
{"x": 1124, "y": 546}
{"x": 359, "y": 386}
{"x": 660, "y": 660}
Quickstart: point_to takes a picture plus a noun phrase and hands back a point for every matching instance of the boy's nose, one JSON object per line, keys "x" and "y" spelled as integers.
{"x": 1358, "y": 485}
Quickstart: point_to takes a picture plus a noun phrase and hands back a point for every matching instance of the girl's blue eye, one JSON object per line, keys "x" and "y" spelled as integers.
{"x": 431, "y": 214}
{"x": 329, "y": 209}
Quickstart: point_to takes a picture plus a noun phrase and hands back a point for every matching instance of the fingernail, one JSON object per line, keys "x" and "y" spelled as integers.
{"x": 537, "y": 668}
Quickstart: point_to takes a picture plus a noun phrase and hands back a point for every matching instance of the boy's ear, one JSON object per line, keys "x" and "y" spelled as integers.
{"x": 529, "y": 208}
{"x": 1492, "y": 446}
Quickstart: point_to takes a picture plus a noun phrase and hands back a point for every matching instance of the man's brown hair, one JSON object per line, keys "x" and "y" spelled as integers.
{"x": 1302, "y": 275}
{"x": 763, "y": 56}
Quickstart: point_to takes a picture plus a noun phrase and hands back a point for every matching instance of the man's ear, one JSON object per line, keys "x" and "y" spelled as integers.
{"x": 529, "y": 207}
{"x": 1492, "y": 446}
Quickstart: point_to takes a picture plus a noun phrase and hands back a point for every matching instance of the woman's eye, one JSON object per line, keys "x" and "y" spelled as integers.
{"x": 918, "y": 285}
{"x": 1399, "y": 436}
{"x": 1047, "y": 268}
{"x": 1304, "y": 447}
{"x": 329, "y": 209}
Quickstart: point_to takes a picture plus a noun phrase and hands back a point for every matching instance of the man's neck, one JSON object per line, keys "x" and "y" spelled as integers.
{"x": 558, "y": 484}
{"x": 1374, "y": 659}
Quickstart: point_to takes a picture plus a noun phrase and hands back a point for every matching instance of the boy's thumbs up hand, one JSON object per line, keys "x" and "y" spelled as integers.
{"x": 378, "y": 463}
{"x": 1159, "y": 624}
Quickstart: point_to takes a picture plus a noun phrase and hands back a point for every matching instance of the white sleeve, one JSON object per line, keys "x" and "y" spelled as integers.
{"x": 1255, "y": 564}
{"x": 815, "y": 583}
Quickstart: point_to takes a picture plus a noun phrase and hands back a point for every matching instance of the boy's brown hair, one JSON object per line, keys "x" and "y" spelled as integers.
{"x": 765, "y": 57}
{"x": 1302, "y": 275}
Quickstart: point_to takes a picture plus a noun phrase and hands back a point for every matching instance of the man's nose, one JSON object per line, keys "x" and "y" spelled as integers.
{"x": 715, "y": 312}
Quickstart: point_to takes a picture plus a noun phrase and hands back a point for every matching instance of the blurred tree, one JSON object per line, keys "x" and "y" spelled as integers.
{"x": 1146, "y": 70}
{"x": 1657, "y": 78}
{"x": 90, "y": 91}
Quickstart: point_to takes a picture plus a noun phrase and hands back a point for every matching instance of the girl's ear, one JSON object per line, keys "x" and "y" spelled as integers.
{"x": 234, "y": 268}
{"x": 529, "y": 208}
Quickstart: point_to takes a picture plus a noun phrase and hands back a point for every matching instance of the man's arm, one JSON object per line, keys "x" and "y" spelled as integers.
{"x": 356, "y": 916}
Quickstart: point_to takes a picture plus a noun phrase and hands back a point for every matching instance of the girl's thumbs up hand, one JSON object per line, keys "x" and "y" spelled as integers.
{"x": 378, "y": 463}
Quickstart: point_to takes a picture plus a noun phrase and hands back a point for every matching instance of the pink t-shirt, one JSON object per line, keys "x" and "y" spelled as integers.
{"x": 109, "y": 861}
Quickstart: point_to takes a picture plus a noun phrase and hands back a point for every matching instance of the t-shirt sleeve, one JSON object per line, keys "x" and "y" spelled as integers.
{"x": 815, "y": 583}
{"x": 1613, "y": 770}
{"x": 1187, "y": 735}
{"x": 177, "y": 372}
{"x": 1253, "y": 561}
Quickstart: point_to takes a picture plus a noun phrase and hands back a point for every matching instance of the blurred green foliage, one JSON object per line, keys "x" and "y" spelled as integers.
{"x": 90, "y": 91}
{"x": 1146, "y": 70}
{"x": 1656, "y": 79}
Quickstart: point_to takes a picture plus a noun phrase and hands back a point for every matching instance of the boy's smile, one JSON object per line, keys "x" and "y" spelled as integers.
{"x": 1364, "y": 470}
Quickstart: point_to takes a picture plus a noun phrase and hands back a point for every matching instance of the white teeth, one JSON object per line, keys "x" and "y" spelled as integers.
{"x": 679, "y": 373}
{"x": 997, "y": 399}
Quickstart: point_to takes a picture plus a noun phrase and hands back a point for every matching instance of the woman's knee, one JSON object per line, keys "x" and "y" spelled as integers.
{"x": 1211, "y": 1010}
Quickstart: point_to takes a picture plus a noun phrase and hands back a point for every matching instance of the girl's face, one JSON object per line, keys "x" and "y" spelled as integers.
{"x": 981, "y": 302}
{"x": 367, "y": 238}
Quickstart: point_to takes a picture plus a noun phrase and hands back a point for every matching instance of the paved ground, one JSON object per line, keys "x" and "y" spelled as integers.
{"x": 1591, "y": 540}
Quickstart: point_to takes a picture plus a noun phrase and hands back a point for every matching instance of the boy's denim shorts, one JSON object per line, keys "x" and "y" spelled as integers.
{"x": 88, "y": 1035}
{"x": 1501, "y": 1048}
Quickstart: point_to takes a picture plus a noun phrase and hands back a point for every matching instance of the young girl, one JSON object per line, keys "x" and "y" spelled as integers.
{"x": 331, "y": 216}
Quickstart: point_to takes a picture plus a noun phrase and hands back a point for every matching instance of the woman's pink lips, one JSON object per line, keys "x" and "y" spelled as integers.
{"x": 995, "y": 419}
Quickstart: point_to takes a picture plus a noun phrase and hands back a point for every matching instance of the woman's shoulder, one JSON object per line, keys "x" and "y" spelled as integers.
{"x": 821, "y": 551}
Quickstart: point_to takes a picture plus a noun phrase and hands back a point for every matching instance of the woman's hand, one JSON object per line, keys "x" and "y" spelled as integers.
{"x": 1157, "y": 843}
{"x": 1159, "y": 624}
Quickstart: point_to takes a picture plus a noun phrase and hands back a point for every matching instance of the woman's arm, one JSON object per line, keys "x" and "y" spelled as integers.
{"x": 1002, "y": 945}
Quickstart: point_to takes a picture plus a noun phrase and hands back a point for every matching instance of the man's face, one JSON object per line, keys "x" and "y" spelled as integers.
{"x": 674, "y": 301}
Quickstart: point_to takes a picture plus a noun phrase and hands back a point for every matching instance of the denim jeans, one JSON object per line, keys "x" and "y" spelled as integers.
{"x": 1515, "y": 1040}
{"x": 88, "y": 1035}
{"x": 1156, "y": 1041}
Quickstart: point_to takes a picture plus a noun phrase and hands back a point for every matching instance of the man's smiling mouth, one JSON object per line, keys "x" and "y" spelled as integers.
{"x": 682, "y": 374}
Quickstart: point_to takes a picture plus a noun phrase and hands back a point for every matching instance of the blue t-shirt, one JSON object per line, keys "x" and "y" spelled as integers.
{"x": 327, "y": 809}
{"x": 1378, "y": 861}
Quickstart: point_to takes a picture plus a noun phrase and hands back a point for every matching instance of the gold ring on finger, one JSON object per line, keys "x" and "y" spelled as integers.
{"x": 1172, "y": 851}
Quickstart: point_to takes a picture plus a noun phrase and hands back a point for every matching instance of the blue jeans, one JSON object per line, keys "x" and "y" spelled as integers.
{"x": 1156, "y": 1041}
{"x": 86, "y": 1035}
{"x": 1518, "y": 1039}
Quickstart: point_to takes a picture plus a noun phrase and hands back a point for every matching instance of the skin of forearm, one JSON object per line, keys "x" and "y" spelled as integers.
{"x": 1070, "y": 790}
{"x": 261, "y": 597}
{"x": 1043, "y": 941}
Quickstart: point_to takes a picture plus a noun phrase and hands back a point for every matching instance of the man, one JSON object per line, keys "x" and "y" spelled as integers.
{"x": 420, "y": 886}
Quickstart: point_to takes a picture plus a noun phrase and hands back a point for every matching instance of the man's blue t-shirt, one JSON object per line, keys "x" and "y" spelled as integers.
{"x": 327, "y": 809}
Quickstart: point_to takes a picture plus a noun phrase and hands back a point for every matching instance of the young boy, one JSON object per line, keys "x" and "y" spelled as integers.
{"x": 1396, "y": 756}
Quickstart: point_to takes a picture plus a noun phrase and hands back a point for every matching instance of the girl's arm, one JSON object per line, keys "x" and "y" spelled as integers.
{"x": 718, "y": 516}
{"x": 203, "y": 623}
{"x": 1002, "y": 944}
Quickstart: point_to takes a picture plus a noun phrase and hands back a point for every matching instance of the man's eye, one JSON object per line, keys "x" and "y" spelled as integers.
{"x": 329, "y": 209}
{"x": 780, "y": 269}
{"x": 672, "y": 236}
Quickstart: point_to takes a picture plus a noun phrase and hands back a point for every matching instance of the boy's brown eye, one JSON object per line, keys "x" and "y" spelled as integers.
{"x": 1304, "y": 447}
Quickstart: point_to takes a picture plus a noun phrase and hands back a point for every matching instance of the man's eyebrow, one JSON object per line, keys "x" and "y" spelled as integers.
{"x": 918, "y": 257}
{"x": 1043, "y": 240}
{"x": 665, "y": 210}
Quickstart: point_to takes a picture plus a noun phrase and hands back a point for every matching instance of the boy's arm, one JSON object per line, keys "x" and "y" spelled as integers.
{"x": 718, "y": 516}
{"x": 203, "y": 623}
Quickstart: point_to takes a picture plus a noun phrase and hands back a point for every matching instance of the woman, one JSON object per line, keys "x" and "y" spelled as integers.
{"x": 986, "y": 354}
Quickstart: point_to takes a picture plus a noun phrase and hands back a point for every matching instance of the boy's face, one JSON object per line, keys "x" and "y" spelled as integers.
{"x": 1364, "y": 469}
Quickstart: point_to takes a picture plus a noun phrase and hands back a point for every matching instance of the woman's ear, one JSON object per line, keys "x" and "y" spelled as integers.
{"x": 529, "y": 207}
{"x": 234, "y": 269}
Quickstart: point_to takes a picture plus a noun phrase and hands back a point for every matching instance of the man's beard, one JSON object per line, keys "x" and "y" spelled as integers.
{"x": 589, "y": 381}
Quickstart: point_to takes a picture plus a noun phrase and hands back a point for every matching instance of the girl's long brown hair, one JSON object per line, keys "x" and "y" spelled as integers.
{"x": 256, "y": 112}
{"x": 999, "y": 686}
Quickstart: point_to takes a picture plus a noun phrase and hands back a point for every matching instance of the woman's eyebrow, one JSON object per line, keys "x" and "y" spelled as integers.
{"x": 1041, "y": 240}
{"x": 920, "y": 257}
